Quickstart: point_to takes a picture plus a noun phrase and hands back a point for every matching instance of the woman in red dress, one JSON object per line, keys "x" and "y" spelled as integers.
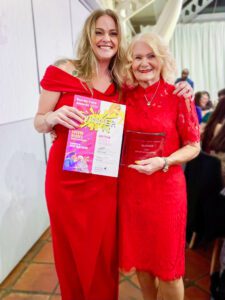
{"x": 82, "y": 207}
{"x": 152, "y": 202}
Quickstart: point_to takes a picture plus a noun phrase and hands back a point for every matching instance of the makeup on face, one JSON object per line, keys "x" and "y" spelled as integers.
{"x": 146, "y": 66}
{"x": 105, "y": 40}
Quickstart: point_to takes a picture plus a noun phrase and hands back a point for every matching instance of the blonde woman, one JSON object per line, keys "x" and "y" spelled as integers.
{"x": 82, "y": 207}
{"x": 152, "y": 201}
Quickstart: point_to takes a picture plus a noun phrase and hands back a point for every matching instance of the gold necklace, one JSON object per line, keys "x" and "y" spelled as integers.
{"x": 149, "y": 101}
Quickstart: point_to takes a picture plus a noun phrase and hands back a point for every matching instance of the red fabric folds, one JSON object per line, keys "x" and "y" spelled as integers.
{"x": 82, "y": 209}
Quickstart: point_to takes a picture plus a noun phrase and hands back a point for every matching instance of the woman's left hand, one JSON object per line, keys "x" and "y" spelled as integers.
{"x": 149, "y": 166}
{"x": 184, "y": 89}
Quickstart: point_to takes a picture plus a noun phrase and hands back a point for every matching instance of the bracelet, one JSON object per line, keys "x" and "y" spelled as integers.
{"x": 166, "y": 165}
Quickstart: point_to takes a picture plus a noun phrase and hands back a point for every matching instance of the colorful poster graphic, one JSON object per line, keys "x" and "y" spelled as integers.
{"x": 95, "y": 147}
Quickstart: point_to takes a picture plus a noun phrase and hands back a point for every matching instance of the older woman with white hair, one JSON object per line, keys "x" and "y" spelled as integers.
{"x": 152, "y": 191}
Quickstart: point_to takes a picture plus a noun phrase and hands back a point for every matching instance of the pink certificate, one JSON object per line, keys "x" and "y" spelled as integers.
{"x": 95, "y": 147}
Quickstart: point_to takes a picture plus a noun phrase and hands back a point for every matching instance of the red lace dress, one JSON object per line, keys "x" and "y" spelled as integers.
{"x": 82, "y": 209}
{"x": 152, "y": 208}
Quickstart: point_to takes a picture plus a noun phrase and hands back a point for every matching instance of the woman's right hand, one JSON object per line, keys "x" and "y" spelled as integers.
{"x": 67, "y": 116}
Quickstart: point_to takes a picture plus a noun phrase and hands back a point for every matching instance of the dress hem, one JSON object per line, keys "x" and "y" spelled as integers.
{"x": 164, "y": 278}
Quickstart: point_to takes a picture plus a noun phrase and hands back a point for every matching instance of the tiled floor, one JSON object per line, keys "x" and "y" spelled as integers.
{"x": 35, "y": 279}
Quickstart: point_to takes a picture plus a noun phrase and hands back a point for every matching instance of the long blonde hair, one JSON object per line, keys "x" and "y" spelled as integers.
{"x": 86, "y": 62}
{"x": 161, "y": 51}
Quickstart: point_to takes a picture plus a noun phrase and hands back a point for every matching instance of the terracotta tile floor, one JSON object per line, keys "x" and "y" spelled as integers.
{"x": 34, "y": 278}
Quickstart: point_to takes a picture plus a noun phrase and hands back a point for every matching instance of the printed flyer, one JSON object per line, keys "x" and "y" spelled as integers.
{"x": 95, "y": 146}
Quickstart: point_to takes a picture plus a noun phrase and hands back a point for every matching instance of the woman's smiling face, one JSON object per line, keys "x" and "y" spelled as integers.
{"x": 105, "y": 39}
{"x": 146, "y": 66}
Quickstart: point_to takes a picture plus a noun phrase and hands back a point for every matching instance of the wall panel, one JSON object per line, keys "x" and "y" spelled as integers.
{"x": 18, "y": 78}
{"x": 23, "y": 213}
{"x": 79, "y": 13}
{"x": 53, "y": 31}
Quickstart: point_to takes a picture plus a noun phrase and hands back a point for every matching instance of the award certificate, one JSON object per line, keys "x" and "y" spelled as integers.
{"x": 141, "y": 145}
{"x": 95, "y": 146}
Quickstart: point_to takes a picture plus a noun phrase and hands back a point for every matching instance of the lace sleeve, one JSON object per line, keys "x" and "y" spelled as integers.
{"x": 187, "y": 122}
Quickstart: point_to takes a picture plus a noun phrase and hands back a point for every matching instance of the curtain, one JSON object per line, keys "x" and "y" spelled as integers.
{"x": 200, "y": 47}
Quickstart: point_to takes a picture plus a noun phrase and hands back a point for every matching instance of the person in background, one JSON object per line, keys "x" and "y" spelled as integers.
{"x": 213, "y": 140}
{"x": 152, "y": 192}
{"x": 184, "y": 77}
{"x": 202, "y": 100}
{"x": 221, "y": 94}
{"x": 198, "y": 108}
{"x": 204, "y": 108}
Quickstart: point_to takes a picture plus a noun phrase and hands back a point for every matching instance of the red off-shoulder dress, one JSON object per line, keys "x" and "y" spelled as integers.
{"x": 82, "y": 209}
{"x": 152, "y": 208}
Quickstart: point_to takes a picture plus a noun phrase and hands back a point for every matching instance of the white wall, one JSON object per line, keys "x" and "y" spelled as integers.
{"x": 53, "y": 31}
{"x": 17, "y": 61}
{"x": 33, "y": 34}
{"x": 200, "y": 47}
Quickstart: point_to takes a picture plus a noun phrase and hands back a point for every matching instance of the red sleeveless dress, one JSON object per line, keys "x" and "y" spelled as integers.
{"x": 152, "y": 208}
{"x": 82, "y": 209}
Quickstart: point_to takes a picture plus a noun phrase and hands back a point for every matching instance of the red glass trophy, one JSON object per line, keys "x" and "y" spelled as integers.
{"x": 141, "y": 145}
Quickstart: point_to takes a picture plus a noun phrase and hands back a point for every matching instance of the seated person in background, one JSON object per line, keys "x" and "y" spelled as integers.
{"x": 206, "y": 106}
{"x": 202, "y": 99}
{"x": 213, "y": 141}
{"x": 184, "y": 77}
{"x": 203, "y": 104}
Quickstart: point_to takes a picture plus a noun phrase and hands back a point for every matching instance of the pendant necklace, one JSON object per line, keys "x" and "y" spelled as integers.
{"x": 149, "y": 101}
